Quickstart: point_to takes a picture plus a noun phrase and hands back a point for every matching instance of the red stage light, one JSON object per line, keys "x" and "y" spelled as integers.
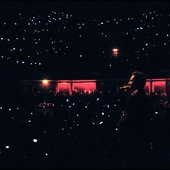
{"x": 84, "y": 87}
{"x": 159, "y": 86}
{"x": 64, "y": 87}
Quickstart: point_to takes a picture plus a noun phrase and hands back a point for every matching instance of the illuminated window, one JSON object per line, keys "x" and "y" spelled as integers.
{"x": 64, "y": 87}
{"x": 84, "y": 87}
{"x": 67, "y": 86}
{"x": 159, "y": 86}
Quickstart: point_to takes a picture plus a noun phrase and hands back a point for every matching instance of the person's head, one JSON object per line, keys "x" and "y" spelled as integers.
{"x": 137, "y": 80}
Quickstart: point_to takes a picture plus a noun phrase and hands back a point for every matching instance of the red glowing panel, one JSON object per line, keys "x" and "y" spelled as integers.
{"x": 64, "y": 88}
{"x": 148, "y": 87}
{"x": 159, "y": 86}
{"x": 84, "y": 87}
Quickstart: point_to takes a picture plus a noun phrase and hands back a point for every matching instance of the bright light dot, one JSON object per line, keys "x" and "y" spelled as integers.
{"x": 7, "y": 147}
{"x": 101, "y": 123}
{"x": 117, "y": 129}
{"x": 97, "y": 99}
{"x": 102, "y": 113}
{"x": 108, "y": 106}
{"x": 46, "y": 154}
{"x": 45, "y": 82}
{"x": 115, "y": 50}
{"x": 9, "y": 109}
{"x": 29, "y": 121}
{"x": 86, "y": 107}
{"x": 115, "y": 105}
{"x": 2, "y": 38}
{"x": 156, "y": 113}
{"x": 81, "y": 55}
{"x": 35, "y": 140}
{"x": 67, "y": 100}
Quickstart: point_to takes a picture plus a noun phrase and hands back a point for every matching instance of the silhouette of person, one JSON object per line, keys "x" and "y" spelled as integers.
{"x": 136, "y": 127}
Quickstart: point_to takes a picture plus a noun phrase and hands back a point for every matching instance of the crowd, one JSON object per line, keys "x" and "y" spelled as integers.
{"x": 72, "y": 131}
{"x": 52, "y": 36}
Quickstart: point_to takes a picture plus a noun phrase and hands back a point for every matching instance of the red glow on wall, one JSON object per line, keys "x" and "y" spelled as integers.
{"x": 64, "y": 88}
{"x": 148, "y": 87}
{"x": 159, "y": 86}
{"x": 84, "y": 87}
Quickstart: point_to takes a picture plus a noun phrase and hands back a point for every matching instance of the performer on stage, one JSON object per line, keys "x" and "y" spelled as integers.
{"x": 135, "y": 124}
